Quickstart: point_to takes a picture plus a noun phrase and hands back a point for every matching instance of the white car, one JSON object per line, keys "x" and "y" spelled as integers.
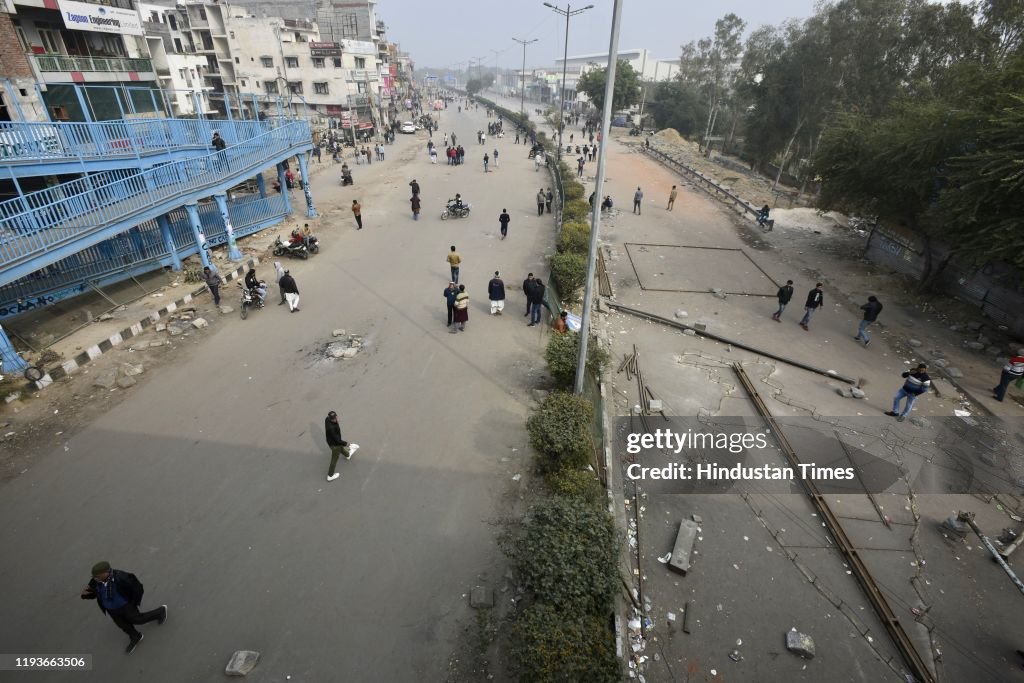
{"x": 408, "y": 127}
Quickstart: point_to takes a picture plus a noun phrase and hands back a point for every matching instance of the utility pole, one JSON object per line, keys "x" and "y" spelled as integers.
{"x": 595, "y": 221}
{"x": 567, "y": 12}
{"x": 522, "y": 98}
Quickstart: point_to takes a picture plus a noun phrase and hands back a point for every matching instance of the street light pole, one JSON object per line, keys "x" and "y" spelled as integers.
{"x": 595, "y": 221}
{"x": 567, "y": 12}
{"x": 522, "y": 98}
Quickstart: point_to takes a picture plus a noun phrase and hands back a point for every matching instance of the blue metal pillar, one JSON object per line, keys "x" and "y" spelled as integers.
{"x": 12, "y": 361}
{"x": 165, "y": 233}
{"x": 82, "y": 104}
{"x": 304, "y": 170}
{"x": 261, "y": 185}
{"x": 197, "y": 230}
{"x": 283, "y": 183}
{"x": 222, "y": 203}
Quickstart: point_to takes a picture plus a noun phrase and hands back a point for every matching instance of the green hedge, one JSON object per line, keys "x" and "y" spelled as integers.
{"x": 573, "y": 190}
{"x": 574, "y": 238}
{"x": 581, "y": 484}
{"x": 560, "y": 432}
{"x": 569, "y": 271}
{"x": 552, "y": 646}
{"x": 561, "y": 354}
{"x": 576, "y": 210}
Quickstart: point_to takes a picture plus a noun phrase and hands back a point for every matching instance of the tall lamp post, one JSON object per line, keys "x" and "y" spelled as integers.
{"x": 496, "y": 53}
{"x": 522, "y": 98}
{"x": 567, "y": 12}
{"x": 595, "y": 218}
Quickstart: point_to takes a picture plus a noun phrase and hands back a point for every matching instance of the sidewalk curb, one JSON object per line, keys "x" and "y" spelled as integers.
{"x": 93, "y": 352}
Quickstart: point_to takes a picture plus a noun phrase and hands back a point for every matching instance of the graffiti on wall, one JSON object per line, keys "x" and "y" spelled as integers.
{"x": 37, "y": 302}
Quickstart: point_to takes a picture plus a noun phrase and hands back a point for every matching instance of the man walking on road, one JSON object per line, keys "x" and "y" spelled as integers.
{"x": 454, "y": 261}
{"x": 415, "y": 187}
{"x": 541, "y": 200}
{"x": 784, "y": 294}
{"x": 1013, "y": 370}
{"x": 415, "y": 202}
{"x": 119, "y": 594}
{"x": 357, "y": 211}
{"x": 487, "y": 160}
{"x": 536, "y": 300}
{"x": 871, "y": 310}
{"x": 917, "y": 382}
{"x": 496, "y": 294}
{"x": 495, "y": 158}
{"x": 815, "y": 299}
{"x": 528, "y": 284}
{"x": 337, "y": 445}
{"x": 280, "y": 271}
{"x": 637, "y": 198}
{"x": 213, "y": 281}
{"x": 449, "y": 293}
{"x": 579, "y": 167}
{"x": 504, "y": 219}
{"x": 672, "y": 197}
{"x": 291, "y": 292}
{"x": 548, "y": 198}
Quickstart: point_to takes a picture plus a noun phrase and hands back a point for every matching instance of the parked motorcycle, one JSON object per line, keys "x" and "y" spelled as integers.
{"x": 251, "y": 298}
{"x": 288, "y": 249}
{"x": 312, "y": 243}
{"x": 454, "y": 211}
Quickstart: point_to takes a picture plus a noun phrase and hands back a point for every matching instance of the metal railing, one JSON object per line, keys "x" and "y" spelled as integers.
{"x": 37, "y": 222}
{"x": 30, "y": 141}
{"x": 76, "y": 63}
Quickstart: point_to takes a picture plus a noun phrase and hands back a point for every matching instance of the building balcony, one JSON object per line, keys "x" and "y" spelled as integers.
{"x": 67, "y": 63}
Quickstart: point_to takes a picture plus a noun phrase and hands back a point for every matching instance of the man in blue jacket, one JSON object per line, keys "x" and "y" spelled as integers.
{"x": 916, "y": 382}
{"x": 119, "y": 595}
{"x": 450, "y": 292}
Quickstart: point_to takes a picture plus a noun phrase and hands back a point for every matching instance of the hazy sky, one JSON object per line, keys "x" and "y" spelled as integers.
{"x": 439, "y": 34}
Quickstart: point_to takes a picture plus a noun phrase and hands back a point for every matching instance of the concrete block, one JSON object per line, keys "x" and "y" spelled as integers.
{"x": 689, "y": 333}
{"x": 155, "y": 344}
{"x": 225, "y": 309}
{"x": 105, "y": 316}
{"x": 857, "y": 393}
{"x": 800, "y": 644}
{"x": 682, "y": 314}
{"x": 242, "y": 662}
{"x": 336, "y": 351}
{"x": 93, "y": 352}
{"x": 175, "y": 329}
{"x": 200, "y": 323}
{"x": 338, "y": 333}
{"x": 160, "y": 327}
{"x": 481, "y": 597}
{"x": 106, "y": 379}
{"x": 125, "y": 382}
{"x": 683, "y": 549}
{"x": 349, "y": 353}
{"x": 12, "y": 397}
{"x": 914, "y": 342}
{"x": 130, "y": 370}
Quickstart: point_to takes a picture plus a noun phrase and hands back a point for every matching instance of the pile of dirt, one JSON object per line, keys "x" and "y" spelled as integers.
{"x": 672, "y": 137}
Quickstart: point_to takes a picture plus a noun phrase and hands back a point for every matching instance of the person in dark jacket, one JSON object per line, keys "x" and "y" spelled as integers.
{"x": 528, "y": 284}
{"x": 496, "y": 293}
{"x": 415, "y": 186}
{"x": 536, "y": 300}
{"x": 815, "y": 300}
{"x": 916, "y": 382}
{"x": 785, "y": 294}
{"x": 503, "y": 220}
{"x": 218, "y": 142}
{"x": 337, "y": 445}
{"x": 213, "y": 281}
{"x": 549, "y": 197}
{"x": 871, "y": 310}
{"x": 118, "y": 595}
{"x": 291, "y": 291}
{"x": 1013, "y": 371}
{"x": 450, "y": 292}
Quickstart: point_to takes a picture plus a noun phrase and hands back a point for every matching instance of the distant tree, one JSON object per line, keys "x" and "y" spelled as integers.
{"x": 626, "y": 92}
{"x": 679, "y": 105}
{"x": 474, "y": 85}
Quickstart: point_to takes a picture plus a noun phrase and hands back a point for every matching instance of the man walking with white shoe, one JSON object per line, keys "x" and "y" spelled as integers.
{"x": 337, "y": 445}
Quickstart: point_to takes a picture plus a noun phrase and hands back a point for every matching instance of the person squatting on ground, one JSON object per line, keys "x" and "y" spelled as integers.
{"x": 871, "y": 310}
{"x": 118, "y": 595}
{"x": 337, "y": 445}
{"x": 815, "y": 300}
{"x": 496, "y": 294}
{"x": 784, "y": 295}
{"x": 916, "y": 382}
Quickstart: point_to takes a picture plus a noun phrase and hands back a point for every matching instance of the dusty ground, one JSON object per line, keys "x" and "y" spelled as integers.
{"x": 765, "y": 564}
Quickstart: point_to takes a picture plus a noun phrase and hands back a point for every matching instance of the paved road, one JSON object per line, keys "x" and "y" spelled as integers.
{"x": 210, "y": 482}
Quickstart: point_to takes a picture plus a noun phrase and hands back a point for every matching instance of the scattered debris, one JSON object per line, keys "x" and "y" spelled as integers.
{"x": 200, "y": 323}
{"x": 242, "y": 662}
{"x": 800, "y": 644}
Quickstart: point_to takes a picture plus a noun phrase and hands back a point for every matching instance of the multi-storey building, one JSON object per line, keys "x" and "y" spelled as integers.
{"x": 67, "y": 42}
{"x": 178, "y": 65}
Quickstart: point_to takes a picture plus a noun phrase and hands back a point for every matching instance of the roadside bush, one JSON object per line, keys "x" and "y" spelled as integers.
{"x": 569, "y": 271}
{"x": 549, "y": 646}
{"x": 561, "y": 354}
{"x": 566, "y": 557}
{"x": 580, "y": 484}
{"x": 576, "y": 210}
{"x": 560, "y": 432}
{"x": 573, "y": 191}
{"x": 575, "y": 238}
